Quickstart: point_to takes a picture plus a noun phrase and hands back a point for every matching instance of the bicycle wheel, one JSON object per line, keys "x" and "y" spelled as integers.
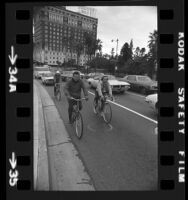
{"x": 107, "y": 113}
{"x": 95, "y": 107}
{"x": 79, "y": 125}
{"x": 55, "y": 93}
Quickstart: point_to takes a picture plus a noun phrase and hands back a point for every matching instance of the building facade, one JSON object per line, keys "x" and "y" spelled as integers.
{"x": 58, "y": 33}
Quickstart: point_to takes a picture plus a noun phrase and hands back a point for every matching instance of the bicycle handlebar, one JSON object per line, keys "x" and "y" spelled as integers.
{"x": 77, "y": 99}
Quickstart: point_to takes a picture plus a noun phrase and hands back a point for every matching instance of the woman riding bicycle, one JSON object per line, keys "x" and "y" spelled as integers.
{"x": 103, "y": 87}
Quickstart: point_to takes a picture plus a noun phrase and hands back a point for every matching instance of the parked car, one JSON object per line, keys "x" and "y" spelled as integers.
{"x": 39, "y": 71}
{"x": 117, "y": 86}
{"x": 48, "y": 78}
{"x": 92, "y": 75}
{"x": 152, "y": 100}
{"x": 143, "y": 84}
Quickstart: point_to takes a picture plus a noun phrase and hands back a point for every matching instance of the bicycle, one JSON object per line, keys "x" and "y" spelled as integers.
{"x": 107, "y": 110}
{"x": 57, "y": 92}
{"x": 76, "y": 118}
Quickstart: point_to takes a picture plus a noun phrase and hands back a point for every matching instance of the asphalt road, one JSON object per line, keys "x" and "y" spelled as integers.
{"x": 122, "y": 156}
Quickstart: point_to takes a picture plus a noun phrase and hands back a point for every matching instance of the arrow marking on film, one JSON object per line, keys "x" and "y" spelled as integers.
{"x": 13, "y": 161}
{"x": 12, "y": 57}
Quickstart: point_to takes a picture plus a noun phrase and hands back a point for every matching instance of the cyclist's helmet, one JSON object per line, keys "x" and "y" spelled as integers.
{"x": 57, "y": 72}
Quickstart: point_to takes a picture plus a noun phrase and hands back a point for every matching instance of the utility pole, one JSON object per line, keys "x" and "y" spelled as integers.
{"x": 116, "y": 45}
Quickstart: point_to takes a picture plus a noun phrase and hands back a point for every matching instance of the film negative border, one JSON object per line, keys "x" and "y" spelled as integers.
{"x": 171, "y": 94}
{"x": 19, "y": 91}
{"x": 171, "y": 90}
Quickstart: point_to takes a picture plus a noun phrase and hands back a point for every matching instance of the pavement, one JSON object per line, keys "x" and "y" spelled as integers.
{"x": 57, "y": 165}
{"x": 41, "y": 178}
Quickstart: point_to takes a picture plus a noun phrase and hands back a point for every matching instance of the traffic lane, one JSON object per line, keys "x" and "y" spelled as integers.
{"x": 123, "y": 157}
{"x": 134, "y": 102}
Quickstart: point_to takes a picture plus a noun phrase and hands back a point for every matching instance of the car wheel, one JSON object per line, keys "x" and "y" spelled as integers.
{"x": 122, "y": 92}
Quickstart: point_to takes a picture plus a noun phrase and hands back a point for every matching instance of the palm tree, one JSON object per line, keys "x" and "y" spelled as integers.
{"x": 98, "y": 45}
{"x": 152, "y": 54}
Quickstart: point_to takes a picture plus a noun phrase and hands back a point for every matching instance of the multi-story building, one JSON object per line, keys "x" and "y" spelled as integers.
{"x": 57, "y": 33}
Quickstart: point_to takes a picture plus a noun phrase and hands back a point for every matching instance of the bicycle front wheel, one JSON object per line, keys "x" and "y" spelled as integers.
{"x": 79, "y": 125}
{"x": 107, "y": 113}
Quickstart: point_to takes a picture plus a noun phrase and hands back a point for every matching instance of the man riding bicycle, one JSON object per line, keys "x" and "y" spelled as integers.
{"x": 73, "y": 89}
{"x": 57, "y": 80}
{"x": 103, "y": 87}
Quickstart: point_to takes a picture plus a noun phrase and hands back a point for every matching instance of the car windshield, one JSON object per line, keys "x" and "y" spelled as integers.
{"x": 48, "y": 74}
{"x": 111, "y": 77}
{"x": 97, "y": 77}
{"x": 144, "y": 78}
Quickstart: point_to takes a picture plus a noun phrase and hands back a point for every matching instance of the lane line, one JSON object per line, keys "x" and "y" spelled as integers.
{"x": 143, "y": 116}
{"x": 138, "y": 95}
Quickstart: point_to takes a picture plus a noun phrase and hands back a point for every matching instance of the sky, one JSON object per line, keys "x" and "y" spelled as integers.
{"x": 125, "y": 23}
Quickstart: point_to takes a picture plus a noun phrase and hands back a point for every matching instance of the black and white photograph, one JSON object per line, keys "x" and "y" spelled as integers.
{"x": 95, "y": 98}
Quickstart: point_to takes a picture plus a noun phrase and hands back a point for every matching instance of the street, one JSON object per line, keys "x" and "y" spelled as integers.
{"x": 122, "y": 155}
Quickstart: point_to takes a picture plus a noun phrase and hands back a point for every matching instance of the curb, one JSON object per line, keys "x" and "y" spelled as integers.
{"x": 66, "y": 170}
{"x": 41, "y": 175}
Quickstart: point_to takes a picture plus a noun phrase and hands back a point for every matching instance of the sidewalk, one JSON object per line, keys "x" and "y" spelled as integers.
{"x": 41, "y": 177}
{"x": 65, "y": 169}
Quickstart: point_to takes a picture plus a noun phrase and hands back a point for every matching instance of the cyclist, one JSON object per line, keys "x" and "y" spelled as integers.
{"x": 73, "y": 89}
{"x": 57, "y": 79}
{"x": 103, "y": 87}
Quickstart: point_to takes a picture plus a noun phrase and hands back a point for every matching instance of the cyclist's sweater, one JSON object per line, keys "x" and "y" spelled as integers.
{"x": 101, "y": 88}
{"x": 73, "y": 88}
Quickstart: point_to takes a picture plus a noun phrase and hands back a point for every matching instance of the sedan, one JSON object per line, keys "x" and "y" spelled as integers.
{"x": 117, "y": 86}
{"x": 48, "y": 78}
{"x": 142, "y": 84}
{"x": 152, "y": 100}
{"x": 92, "y": 75}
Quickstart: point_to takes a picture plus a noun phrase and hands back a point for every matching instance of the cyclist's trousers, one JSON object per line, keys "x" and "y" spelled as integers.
{"x": 97, "y": 99}
{"x": 71, "y": 102}
{"x": 55, "y": 87}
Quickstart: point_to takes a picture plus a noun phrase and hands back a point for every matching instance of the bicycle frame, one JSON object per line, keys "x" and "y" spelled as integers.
{"x": 76, "y": 107}
{"x": 75, "y": 116}
{"x": 104, "y": 101}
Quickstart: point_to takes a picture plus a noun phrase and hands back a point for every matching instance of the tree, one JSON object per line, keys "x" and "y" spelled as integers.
{"x": 98, "y": 45}
{"x": 71, "y": 43}
{"x": 102, "y": 63}
{"x": 126, "y": 52}
{"x": 92, "y": 45}
{"x": 137, "y": 52}
{"x": 152, "y": 54}
{"x": 142, "y": 52}
{"x": 79, "y": 49}
{"x": 88, "y": 44}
